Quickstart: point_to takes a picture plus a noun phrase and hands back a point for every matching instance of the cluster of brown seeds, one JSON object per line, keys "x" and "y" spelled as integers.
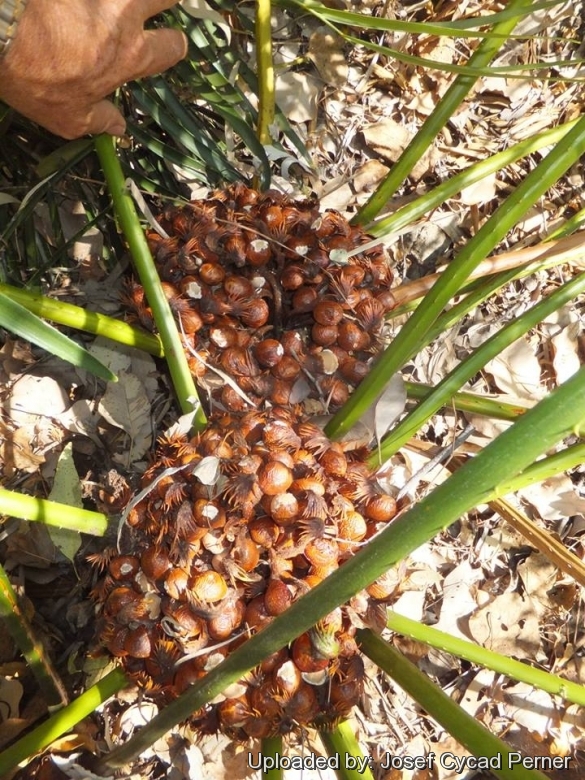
{"x": 215, "y": 560}
{"x": 263, "y": 292}
{"x": 238, "y": 522}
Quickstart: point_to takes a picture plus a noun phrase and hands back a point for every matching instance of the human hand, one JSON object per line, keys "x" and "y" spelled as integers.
{"x": 67, "y": 56}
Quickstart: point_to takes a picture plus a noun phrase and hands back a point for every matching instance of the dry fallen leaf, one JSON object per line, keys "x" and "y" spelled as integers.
{"x": 326, "y": 49}
{"x": 126, "y": 406}
{"x": 389, "y": 139}
{"x": 297, "y": 95}
{"x": 516, "y": 370}
{"x": 66, "y": 490}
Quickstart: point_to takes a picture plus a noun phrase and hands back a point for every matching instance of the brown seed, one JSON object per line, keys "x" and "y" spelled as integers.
{"x": 292, "y": 277}
{"x": 264, "y": 531}
{"x": 255, "y": 313}
{"x": 328, "y": 313}
{"x": 280, "y": 392}
{"x": 233, "y": 400}
{"x": 223, "y": 335}
{"x": 284, "y": 507}
{"x": 120, "y": 598}
{"x": 313, "y": 484}
{"x": 335, "y": 390}
{"x": 387, "y": 299}
{"x": 208, "y": 514}
{"x": 268, "y": 352}
{"x": 299, "y": 246}
{"x": 287, "y": 368}
{"x": 245, "y": 553}
{"x": 334, "y": 462}
{"x": 209, "y": 586}
{"x": 353, "y": 370}
{"x": 279, "y": 433}
{"x": 137, "y": 642}
{"x": 212, "y": 273}
{"x": 238, "y": 361}
{"x": 304, "y": 299}
{"x": 222, "y": 625}
{"x": 233, "y": 712}
{"x": 155, "y": 562}
{"x": 304, "y": 705}
{"x": 274, "y": 478}
{"x": 380, "y": 508}
{"x": 123, "y": 567}
{"x": 277, "y": 597}
{"x": 258, "y": 252}
{"x": 324, "y": 335}
{"x": 352, "y": 337}
{"x": 305, "y": 656}
{"x": 370, "y": 314}
{"x": 322, "y": 552}
{"x": 256, "y": 615}
{"x": 292, "y": 343}
{"x": 176, "y": 583}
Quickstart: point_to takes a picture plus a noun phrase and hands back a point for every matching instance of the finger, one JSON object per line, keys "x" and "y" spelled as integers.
{"x": 153, "y": 7}
{"x": 104, "y": 117}
{"x": 161, "y": 49}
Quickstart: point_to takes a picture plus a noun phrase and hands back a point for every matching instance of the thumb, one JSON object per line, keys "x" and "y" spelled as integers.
{"x": 104, "y": 117}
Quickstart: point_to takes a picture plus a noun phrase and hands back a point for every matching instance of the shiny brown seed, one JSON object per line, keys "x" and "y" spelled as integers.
{"x": 334, "y": 462}
{"x": 328, "y": 313}
{"x": 208, "y": 586}
{"x": 322, "y": 552}
{"x": 305, "y": 656}
{"x": 154, "y": 562}
{"x": 137, "y": 642}
{"x": 264, "y": 531}
{"x": 352, "y": 337}
{"x": 288, "y": 368}
{"x": 258, "y": 252}
{"x": 380, "y": 508}
{"x": 324, "y": 335}
{"x": 268, "y": 352}
{"x": 292, "y": 277}
{"x": 123, "y": 567}
{"x": 304, "y": 299}
{"x": 277, "y": 597}
{"x": 274, "y": 478}
{"x": 284, "y": 508}
{"x": 238, "y": 361}
{"x": 212, "y": 273}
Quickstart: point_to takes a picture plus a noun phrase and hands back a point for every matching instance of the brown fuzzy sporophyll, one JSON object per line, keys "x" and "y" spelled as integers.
{"x": 236, "y": 523}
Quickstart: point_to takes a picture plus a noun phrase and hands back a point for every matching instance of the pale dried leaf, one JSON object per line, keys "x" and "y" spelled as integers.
{"x": 566, "y": 360}
{"x": 527, "y": 705}
{"x": 389, "y": 405}
{"x": 481, "y": 192}
{"x": 10, "y": 695}
{"x": 459, "y": 600}
{"x": 516, "y": 370}
{"x": 18, "y": 453}
{"x": 389, "y": 139}
{"x": 33, "y": 397}
{"x": 507, "y": 625}
{"x": 555, "y": 498}
{"x": 125, "y": 405}
{"x": 81, "y": 417}
{"x": 326, "y": 49}
{"x": 66, "y": 490}
{"x": 297, "y": 95}
{"x": 207, "y": 470}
